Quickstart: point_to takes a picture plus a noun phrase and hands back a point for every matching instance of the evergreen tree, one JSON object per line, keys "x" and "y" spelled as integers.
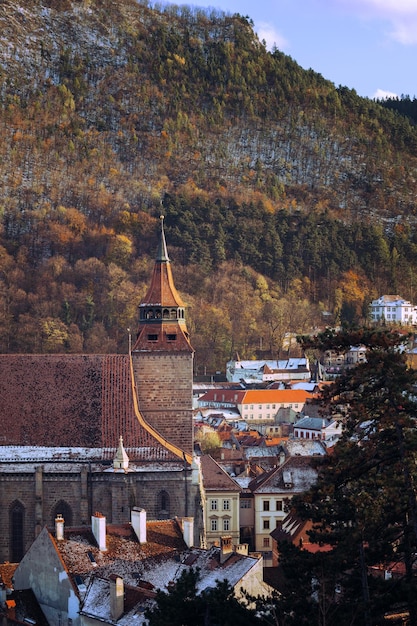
{"x": 364, "y": 502}
{"x": 184, "y": 606}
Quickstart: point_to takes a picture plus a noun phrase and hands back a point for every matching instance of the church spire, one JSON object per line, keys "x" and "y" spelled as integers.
{"x": 162, "y": 250}
{"x": 162, "y": 312}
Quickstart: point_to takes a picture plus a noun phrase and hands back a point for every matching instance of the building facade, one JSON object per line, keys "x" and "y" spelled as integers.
{"x": 220, "y": 501}
{"x": 392, "y": 309}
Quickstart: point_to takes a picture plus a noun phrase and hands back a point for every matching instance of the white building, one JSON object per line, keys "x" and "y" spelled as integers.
{"x": 317, "y": 428}
{"x": 268, "y": 371}
{"x": 393, "y": 309}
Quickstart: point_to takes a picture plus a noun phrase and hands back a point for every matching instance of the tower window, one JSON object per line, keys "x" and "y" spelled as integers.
{"x": 152, "y": 337}
{"x": 172, "y": 337}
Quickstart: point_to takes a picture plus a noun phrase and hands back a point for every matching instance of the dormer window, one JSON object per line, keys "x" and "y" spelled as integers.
{"x": 288, "y": 481}
{"x": 152, "y": 337}
{"x": 172, "y": 337}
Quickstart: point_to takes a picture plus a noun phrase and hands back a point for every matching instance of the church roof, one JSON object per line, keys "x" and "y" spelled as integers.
{"x": 75, "y": 401}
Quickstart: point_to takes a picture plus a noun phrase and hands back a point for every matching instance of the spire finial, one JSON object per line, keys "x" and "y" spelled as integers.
{"x": 162, "y": 251}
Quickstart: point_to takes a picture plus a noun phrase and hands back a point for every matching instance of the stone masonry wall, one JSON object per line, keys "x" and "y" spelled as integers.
{"x": 112, "y": 494}
{"x": 164, "y": 387}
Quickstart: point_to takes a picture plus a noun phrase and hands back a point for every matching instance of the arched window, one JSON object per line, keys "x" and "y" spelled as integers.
{"x": 163, "y": 505}
{"x": 64, "y": 509}
{"x": 166, "y": 314}
{"x": 17, "y": 523}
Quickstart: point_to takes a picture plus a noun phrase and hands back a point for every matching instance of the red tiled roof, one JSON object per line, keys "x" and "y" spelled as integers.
{"x": 161, "y": 338}
{"x": 162, "y": 291}
{"x": 214, "y": 477}
{"x": 163, "y": 538}
{"x": 74, "y": 401}
{"x": 231, "y": 396}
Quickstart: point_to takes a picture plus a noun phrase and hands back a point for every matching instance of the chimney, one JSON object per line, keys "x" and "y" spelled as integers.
{"x": 242, "y": 548}
{"x": 98, "y": 526}
{"x": 59, "y": 527}
{"x": 138, "y": 520}
{"x": 117, "y": 597}
{"x": 226, "y": 548}
{"x": 188, "y": 530}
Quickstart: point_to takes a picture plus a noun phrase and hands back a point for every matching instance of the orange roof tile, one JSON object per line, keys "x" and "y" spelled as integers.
{"x": 263, "y": 396}
{"x": 274, "y": 441}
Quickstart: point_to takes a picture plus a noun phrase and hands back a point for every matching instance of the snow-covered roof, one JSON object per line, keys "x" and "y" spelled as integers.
{"x": 283, "y": 364}
{"x": 305, "y": 447}
{"x": 147, "y": 576}
{"x": 24, "y": 458}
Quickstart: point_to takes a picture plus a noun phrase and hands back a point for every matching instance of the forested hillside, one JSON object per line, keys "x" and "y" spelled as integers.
{"x": 284, "y": 195}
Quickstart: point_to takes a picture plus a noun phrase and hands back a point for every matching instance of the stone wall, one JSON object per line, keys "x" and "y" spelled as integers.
{"x": 164, "y": 388}
{"x": 41, "y": 491}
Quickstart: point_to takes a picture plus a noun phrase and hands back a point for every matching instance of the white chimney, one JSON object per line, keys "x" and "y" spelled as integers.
{"x": 59, "y": 527}
{"x": 188, "y": 531}
{"x": 117, "y": 597}
{"x": 138, "y": 519}
{"x": 98, "y": 526}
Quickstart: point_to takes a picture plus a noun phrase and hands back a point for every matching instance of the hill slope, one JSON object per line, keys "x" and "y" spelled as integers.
{"x": 109, "y": 108}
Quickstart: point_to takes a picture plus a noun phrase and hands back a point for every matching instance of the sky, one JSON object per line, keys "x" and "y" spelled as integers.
{"x": 366, "y": 45}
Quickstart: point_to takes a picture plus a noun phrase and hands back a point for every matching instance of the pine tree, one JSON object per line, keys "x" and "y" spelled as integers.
{"x": 364, "y": 502}
{"x": 184, "y": 606}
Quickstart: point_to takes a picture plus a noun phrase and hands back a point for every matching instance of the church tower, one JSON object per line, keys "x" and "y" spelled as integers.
{"x": 162, "y": 357}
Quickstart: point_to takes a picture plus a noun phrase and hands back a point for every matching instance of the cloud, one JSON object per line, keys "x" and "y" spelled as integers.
{"x": 394, "y": 7}
{"x": 268, "y": 33}
{"x": 401, "y": 16}
{"x": 381, "y": 94}
{"x": 405, "y": 32}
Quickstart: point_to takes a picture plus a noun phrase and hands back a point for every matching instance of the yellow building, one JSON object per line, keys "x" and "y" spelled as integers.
{"x": 220, "y": 502}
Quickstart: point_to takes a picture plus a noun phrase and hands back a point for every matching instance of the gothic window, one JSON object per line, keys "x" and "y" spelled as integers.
{"x": 163, "y": 505}
{"x": 62, "y": 508}
{"x": 17, "y": 520}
